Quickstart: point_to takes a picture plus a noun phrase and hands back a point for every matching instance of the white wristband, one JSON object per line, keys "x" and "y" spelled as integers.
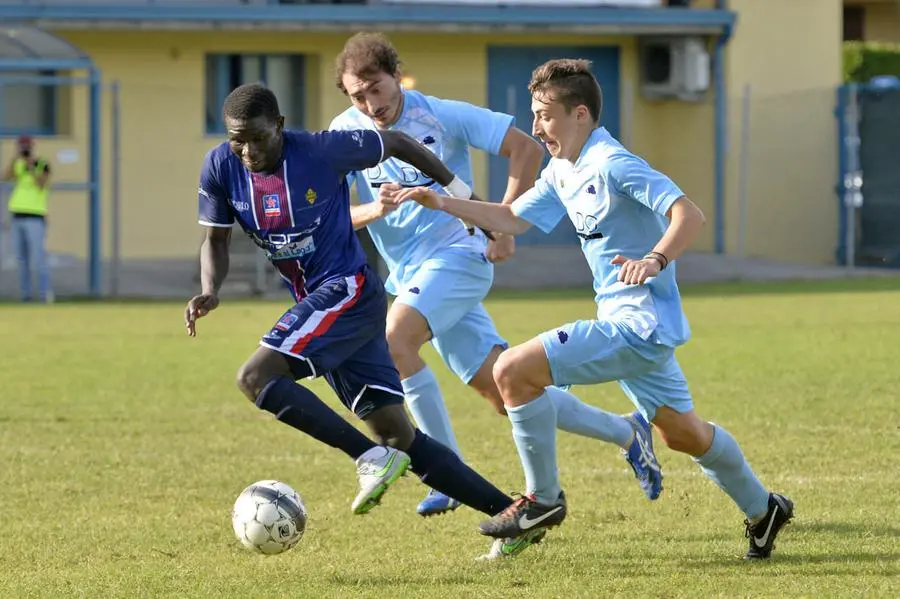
{"x": 458, "y": 188}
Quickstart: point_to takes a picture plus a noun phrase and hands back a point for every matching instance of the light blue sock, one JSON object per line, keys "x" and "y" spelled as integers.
{"x": 575, "y": 416}
{"x": 726, "y": 466}
{"x": 423, "y": 396}
{"x": 534, "y": 431}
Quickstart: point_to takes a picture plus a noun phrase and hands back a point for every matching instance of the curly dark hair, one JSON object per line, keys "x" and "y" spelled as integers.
{"x": 366, "y": 54}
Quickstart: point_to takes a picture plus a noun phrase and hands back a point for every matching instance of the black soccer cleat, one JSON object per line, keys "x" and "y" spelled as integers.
{"x": 762, "y": 534}
{"x": 525, "y": 516}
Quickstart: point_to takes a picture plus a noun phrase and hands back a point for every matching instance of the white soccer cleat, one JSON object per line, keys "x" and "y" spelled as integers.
{"x": 377, "y": 469}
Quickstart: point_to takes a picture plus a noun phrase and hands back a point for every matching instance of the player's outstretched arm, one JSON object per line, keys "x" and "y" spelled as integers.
{"x": 494, "y": 217}
{"x": 214, "y": 262}
{"x": 363, "y": 214}
{"x": 400, "y": 145}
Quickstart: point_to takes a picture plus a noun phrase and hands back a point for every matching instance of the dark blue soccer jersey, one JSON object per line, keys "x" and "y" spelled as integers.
{"x": 299, "y": 214}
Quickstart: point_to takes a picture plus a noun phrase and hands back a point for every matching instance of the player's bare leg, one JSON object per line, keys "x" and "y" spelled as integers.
{"x": 630, "y": 433}
{"x": 407, "y": 332}
{"x": 483, "y": 382}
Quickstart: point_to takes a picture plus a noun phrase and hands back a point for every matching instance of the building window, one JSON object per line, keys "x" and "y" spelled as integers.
{"x": 26, "y": 104}
{"x": 284, "y": 74}
{"x": 854, "y": 23}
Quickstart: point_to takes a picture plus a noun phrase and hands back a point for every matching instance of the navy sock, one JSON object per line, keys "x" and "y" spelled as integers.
{"x": 299, "y": 407}
{"x": 443, "y": 471}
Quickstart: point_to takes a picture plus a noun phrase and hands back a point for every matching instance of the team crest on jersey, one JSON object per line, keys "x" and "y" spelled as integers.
{"x": 271, "y": 204}
{"x": 310, "y": 196}
{"x": 287, "y": 321}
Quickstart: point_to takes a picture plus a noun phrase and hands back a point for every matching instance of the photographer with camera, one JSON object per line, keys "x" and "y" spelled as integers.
{"x": 28, "y": 211}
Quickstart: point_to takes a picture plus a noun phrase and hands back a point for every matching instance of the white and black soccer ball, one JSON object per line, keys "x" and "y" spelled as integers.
{"x": 269, "y": 517}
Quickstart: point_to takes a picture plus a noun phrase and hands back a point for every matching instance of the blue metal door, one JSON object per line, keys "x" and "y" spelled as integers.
{"x": 509, "y": 71}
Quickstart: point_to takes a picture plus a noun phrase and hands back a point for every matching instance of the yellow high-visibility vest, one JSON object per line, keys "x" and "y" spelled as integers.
{"x": 27, "y": 196}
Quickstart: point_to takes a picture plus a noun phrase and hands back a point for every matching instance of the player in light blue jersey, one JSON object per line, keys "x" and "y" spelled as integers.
{"x": 439, "y": 271}
{"x": 633, "y": 222}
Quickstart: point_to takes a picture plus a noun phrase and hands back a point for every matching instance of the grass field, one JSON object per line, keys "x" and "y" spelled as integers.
{"x": 124, "y": 443}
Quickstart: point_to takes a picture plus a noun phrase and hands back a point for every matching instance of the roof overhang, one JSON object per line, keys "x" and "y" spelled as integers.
{"x": 387, "y": 17}
{"x": 28, "y": 48}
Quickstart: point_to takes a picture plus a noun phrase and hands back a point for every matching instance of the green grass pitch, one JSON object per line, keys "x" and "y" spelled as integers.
{"x": 124, "y": 443}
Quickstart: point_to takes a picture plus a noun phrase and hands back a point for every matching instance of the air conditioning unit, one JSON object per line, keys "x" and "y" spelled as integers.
{"x": 674, "y": 67}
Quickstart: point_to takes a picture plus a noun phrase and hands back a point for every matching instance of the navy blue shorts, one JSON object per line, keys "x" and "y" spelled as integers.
{"x": 338, "y": 330}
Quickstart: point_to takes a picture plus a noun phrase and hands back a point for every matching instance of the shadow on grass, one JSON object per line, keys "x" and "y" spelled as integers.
{"x": 791, "y": 563}
{"x": 848, "y": 529}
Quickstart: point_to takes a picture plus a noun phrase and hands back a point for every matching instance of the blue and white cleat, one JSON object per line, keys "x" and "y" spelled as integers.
{"x": 435, "y": 504}
{"x": 642, "y": 459}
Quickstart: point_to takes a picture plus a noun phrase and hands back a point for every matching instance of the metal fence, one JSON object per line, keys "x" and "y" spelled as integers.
{"x": 869, "y": 178}
{"x": 782, "y": 160}
{"x": 780, "y": 203}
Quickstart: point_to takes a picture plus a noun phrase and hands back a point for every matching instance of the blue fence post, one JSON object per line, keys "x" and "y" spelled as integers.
{"x": 223, "y": 88}
{"x": 721, "y": 144}
{"x": 3, "y": 244}
{"x": 115, "y": 259}
{"x": 840, "y": 113}
{"x": 95, "y": 256}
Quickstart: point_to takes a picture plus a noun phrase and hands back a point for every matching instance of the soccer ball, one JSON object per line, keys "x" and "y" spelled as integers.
{"x": 269, "y": 517}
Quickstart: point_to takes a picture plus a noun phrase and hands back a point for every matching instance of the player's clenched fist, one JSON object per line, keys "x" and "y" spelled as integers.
{"x": 198, "y": 307}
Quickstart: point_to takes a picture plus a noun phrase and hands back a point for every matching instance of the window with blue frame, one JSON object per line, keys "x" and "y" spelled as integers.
{"x": 284, "y": 74}
{"x": 28, "y": 105}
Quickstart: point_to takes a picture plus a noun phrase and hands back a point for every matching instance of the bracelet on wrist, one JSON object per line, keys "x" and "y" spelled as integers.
{"x": 659, "y": 257}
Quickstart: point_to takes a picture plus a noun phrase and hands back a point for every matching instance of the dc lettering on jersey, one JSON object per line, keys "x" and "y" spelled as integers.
{"x": 394, "y": 171}
{"x": 587, "y": 226}
{"x": 407, "y": 176}
{"x": 590, "y": 210}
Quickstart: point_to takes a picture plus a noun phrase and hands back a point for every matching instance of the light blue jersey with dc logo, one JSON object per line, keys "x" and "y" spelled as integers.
{"x": 617, "y": 203}
{"x": 411, "y": 234}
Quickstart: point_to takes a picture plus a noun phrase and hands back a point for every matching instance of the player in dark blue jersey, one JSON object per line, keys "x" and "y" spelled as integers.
{"x": 288, "y": 191}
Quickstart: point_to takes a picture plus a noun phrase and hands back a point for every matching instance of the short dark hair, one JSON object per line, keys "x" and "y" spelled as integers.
{"x": 570, "y": 82}
{"x": 251, "y": 100}
{"x": 366, "y": 54}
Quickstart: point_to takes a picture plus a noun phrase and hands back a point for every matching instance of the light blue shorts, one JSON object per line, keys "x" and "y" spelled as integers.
{"x": 588, "y": 352}
{"x": 447, "y": 289}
